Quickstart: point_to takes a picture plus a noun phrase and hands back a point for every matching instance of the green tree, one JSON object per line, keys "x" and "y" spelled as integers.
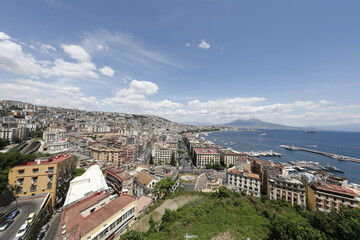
{"x": 173, "y": 161}
{"x": 35, "y": 134}
{"x": 16, "y": 140}
{"x": 3, "y": 143}
{"x": 293, "y": 227}
{"x": 163, "y": 187}
{"x": 132, "y": 235}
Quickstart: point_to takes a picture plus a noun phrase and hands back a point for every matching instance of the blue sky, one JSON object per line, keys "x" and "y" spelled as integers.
{"x": 288, "y": 62}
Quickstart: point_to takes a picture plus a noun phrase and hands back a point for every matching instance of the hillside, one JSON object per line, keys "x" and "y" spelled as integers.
{"x": 256, "y": 123}
{"x": 228, "y": 216}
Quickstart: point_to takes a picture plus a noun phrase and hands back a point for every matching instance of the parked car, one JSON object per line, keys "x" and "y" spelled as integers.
{"x": 22, "y": 230}
{"x": 6, "y": 224}
{"x": 13, "y": 214}
{"x": 45, "y": 228}
{"x": 30, "y": 218}
{"x": 40, "y": 235}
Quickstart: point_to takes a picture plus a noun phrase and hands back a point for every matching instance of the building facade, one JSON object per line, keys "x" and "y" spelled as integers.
{"x": 326, "y": 196}
{"x": 286, "y": 188}
{"x": 44, "y": 175}
{"x": 106, "y": 154}
{"x": 243, "y": 181}
{"x": 204, "y": 156}
{"x": 97, "y": 217}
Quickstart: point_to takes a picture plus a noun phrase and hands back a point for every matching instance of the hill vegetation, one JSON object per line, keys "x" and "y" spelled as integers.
{"x": 228, "y": 215}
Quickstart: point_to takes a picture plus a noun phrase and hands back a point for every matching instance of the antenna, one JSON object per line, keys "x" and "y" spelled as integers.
{"x": 187, "y": 236}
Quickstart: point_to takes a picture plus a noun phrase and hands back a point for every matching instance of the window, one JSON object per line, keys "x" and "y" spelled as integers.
{"x": 33, "y": 188}
{"x": 34, "y": 180}
{"x": 19, "y": 189}
{"x": 21, "y": 171}
{"x": 35, "y": 170}
{"x": 49, "y": 185}
{"x": 20, "y": 181}
{"x": 92, "y": 210}
{"x": 50, "y": 178}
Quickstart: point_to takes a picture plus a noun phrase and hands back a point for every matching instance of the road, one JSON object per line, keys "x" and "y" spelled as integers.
{"x": 54, "y": 225}
{"x": 26, "y": 207}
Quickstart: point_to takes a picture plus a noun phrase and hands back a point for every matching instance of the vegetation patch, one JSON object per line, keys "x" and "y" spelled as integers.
{"x": 229, "y": 215}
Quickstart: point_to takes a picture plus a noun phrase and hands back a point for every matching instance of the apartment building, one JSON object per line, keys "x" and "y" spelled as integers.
{"x": 100, "y": 216}
{"x": 325, "y": 196}
{"x": 287, "y": 188}
{"x": 203, "y": 156}
{"x": 162, "y": 155}
{"x": 106, "y": 154}
{"x": 241, "y": 180}
{"x": 44, "y": 175}
{"x": 120, "y": 180}
{"x": 229, "y": 157}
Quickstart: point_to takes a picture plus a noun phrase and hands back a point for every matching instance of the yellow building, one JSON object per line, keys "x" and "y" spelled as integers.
{"x": 106, "y": 154}
{"x": 44, "y": 175}
{"x": 325, "y": 197}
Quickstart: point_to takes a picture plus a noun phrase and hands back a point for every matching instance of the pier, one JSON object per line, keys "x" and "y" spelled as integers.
{"x": 331, "y": 155}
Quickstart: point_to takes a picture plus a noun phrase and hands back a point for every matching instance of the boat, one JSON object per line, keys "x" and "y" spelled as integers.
{"x": 333, "y": 169}
{"x": 293, "y": 148}
{"x": 263, "y": 134}
{"x": 308, "y": 131}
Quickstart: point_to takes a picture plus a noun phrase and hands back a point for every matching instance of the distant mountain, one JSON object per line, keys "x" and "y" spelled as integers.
{"x": 256, "y": 123}
{"x": 351, "y": 127}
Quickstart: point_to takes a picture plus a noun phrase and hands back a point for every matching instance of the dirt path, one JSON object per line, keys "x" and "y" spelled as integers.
{"x": 143, "y": 224}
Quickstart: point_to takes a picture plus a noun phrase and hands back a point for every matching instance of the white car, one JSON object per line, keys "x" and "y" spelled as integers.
{"x": 22, "y": 230}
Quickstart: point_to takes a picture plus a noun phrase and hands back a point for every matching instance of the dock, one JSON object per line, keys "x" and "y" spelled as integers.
{"x": 331, "y": 155}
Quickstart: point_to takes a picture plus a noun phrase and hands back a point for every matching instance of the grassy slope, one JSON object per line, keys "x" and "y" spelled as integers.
{"x": 210, "y": 216}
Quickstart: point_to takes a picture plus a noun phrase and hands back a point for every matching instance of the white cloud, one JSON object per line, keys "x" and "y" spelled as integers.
{"x": 50, "y": 94}
{"x": 46, "y": 47}
{"x": 107, "y": 71}
{"x": 100, "y": 47}
{"x": 14, "y": 59}
{"x": 125, "y": 49}
{"x": 204, "y": 45}
{"x": 134, "y": 99}
{"x": 76, "y": 52}
{"x": 4, "y": 36}
{"x": 187, "y": 44}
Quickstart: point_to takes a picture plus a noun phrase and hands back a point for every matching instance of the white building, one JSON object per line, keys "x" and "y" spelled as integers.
{"x": 243, "y": 181}
{"x": 162, "y": 155}
{"x": 91, "y": 181}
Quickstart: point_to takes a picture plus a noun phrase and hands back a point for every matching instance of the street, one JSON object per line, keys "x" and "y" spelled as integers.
{"x": 54, "y": 225}
{"x": 26, "y": 207}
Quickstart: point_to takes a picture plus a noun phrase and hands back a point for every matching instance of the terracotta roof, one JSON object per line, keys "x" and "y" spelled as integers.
{"x": 253, "y": 175}
{"x": 54, "y": 160}
{"x": 118, "y": 172}
{"x": 206, "y": 151}
{"x": 77, "y": 225}
{"x": 332, "y": 188}
{"x": 144, "y": 178}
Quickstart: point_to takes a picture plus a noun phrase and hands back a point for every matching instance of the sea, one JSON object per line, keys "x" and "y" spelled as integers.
{"x": 341, "y": 143}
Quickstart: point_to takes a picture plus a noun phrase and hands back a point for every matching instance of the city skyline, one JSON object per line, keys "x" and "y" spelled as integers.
{"x": 205, "y": 61}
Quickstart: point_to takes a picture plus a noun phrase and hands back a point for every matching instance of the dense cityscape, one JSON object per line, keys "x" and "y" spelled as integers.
{"x": 90, "y": 175}
{"x": 173, "y": 120}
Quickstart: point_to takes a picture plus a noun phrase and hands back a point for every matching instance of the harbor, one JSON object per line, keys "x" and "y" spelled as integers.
{"x": 331, "y": 155}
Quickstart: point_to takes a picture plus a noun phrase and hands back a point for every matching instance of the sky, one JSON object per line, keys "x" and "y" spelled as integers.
{"x": 191, "y": 61}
